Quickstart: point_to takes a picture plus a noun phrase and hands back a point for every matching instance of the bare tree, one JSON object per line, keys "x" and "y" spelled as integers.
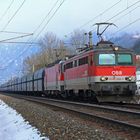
{"x": 78, "y": 39}
{"x": 31, "y": 63}
{"x": 51, "y": 49}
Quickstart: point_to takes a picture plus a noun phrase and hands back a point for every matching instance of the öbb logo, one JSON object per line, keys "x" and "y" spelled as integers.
{"x": 116, "y": 72}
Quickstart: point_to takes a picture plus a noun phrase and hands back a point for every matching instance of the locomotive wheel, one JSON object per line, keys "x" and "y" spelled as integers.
{"x": 64, "y": 94}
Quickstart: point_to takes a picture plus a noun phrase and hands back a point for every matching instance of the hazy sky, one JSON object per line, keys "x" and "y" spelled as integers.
{"x": 60, "y": 17}
{"x": 71, "y": 15}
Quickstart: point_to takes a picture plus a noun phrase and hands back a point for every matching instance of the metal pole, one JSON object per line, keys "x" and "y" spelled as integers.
{"x": 90, "y": 39}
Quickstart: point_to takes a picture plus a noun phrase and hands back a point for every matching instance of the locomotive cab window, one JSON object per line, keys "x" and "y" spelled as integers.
{"x": 124, "y": 59}
{"x": 75, "y": 63}
{"x": 68, "y": 65}
{"x": 106, "y": 59}
{"x": 83, "y": 61}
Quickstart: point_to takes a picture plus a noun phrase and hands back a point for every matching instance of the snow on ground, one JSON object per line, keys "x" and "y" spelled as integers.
{"x": 14, "y": 127}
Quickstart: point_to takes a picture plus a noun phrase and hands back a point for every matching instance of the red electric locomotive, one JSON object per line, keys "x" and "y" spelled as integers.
{"x": 54, "y": 79}
{"x": 105, "y": 71}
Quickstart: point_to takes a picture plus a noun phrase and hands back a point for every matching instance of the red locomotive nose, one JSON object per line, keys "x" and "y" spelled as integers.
{"x": 117, "y": 67}
{"x": 117, "y": 72}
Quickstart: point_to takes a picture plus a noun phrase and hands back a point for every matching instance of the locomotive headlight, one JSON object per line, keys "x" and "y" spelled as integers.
{"x": 116, "y": 48}
{"x": 129, "y": 78}
{"x": 104, "y": 78}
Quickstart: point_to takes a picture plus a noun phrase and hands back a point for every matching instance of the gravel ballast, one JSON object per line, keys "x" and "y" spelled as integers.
{"x": 58, "y": 125}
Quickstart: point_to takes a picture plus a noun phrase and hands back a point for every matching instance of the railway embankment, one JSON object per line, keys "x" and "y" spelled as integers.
{"x": 59, "y": 125}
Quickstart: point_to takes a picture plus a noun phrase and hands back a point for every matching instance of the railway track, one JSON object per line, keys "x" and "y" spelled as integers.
{"x": 123, "y": 105}
{"x": 121, "y": 118}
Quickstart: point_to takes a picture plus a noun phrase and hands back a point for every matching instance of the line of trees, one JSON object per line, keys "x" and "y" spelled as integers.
{"x": 52, "y": 49}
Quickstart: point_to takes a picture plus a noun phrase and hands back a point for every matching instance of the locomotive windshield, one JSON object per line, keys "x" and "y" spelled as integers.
{"x": 124, "y": 59}
{"x": 115, "y": 59}
{"x": 106, "y": 59}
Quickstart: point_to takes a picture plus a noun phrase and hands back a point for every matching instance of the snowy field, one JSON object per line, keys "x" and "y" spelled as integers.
{"x": 13, "y": 126}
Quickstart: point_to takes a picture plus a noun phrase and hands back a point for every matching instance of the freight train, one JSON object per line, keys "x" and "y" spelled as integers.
{"x": 102, "y": 72}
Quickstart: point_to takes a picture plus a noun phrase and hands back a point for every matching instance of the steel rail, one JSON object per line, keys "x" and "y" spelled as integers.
{"x": 124, "y": 105}
{"x": 96, "y": 117}
{"x": 105, "y": 107}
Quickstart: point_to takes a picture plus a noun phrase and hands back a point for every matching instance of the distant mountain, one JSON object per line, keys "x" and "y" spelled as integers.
{"x": 125, "y": 40}
{"x": 11, "y": 58}
{"x": 136, "y": 47}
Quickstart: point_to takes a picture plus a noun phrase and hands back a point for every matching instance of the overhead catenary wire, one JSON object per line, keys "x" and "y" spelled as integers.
{"x": 102, "y": 13}
{"x": 45, "y": 24}
{"x": 5, "y": 41}
{"x": 25, "y": 49}
{"x": 127, "y": 25}
{"x": 50, "y": 18}
{"x": 39, "y": 24}
{"x": 12, "y": 19}
{"x": 14, "y": 42}
{"x": 123, "y": 10}
{"x": 127, "y": 13}
{"x": 12, "y": 32}
{"x": 21, "y": 53}
{"x": 127, "y": 8}
{"x": 13, "y": 15}
{"x": 47, "y": 15}
{"x": 6, "y": 11}
{"x": 16, "y": 37}
{"x": 106, "y": 10}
